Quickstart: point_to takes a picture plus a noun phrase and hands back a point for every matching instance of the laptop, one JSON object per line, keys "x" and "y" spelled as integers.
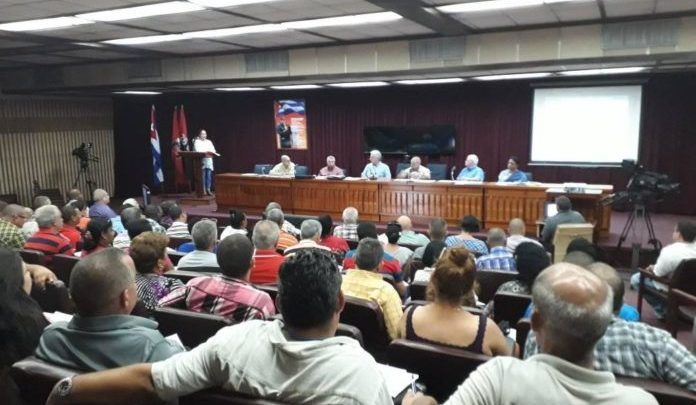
{"x": 550, "y": 209}
{"x": 304, "y": 176}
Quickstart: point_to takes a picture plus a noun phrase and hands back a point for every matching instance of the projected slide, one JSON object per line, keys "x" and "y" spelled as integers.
{"x": 586, "y": 125}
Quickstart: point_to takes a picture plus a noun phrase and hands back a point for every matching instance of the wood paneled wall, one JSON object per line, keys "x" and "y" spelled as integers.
{"x": 38, "y": 135}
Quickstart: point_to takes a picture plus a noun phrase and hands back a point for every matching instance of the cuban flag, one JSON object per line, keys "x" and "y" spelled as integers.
{"x": 291, "y": 106}
{"x": 157, "y": 176}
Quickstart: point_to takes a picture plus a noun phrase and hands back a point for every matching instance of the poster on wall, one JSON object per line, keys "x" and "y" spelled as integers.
{"x": 290, "y": 124}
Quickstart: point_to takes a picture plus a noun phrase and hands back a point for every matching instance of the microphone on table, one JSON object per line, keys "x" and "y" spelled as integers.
{"x": 452, "y": 172}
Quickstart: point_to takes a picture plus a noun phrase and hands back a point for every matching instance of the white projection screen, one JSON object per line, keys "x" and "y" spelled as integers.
{"x": 586, "y": 125}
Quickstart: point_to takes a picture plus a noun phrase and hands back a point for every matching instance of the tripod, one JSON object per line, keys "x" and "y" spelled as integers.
{"x": 640, "y": 211}
{"x": 83, "y": 173}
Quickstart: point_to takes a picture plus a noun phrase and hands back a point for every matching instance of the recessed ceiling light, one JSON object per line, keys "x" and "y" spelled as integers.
{"x": 492, "y": 5}
{"x": 359, "y": 84}
{"x": 44, "y": 24}
{"x": 607, "y": 71}
{"x": 227, "y": 32}
{"x": 239, "y": 88}
{"x": 139, "y": 92}
{"x": 296, "y": 87}
{"x": 151, "y": 10}
{"x": 343, "y": 20}
{"x": 227, "y": 3}
{"x": 514, "y": 76}
{"x": 152, "y": 39}
{"x": 431, "y": 81}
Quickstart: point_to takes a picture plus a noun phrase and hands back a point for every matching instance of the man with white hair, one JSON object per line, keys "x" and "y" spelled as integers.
{"x": 573, "y": 309}
{"x": 310, "y": 232}
{"x": 408, "y": 235}
{"x": 416, "y": 171}
{"x": 471, "y": 171}
{"x": 284, "y": 168}
{"x": 516, "y": 229}
{"x": 331, "y": 169}
{"x": 100, "y": 208}
{"x": 349, "y": 229}
{"x": 48, "y": 239}
{"x": 376, "y": 169}
{"x": 204, "y": 235}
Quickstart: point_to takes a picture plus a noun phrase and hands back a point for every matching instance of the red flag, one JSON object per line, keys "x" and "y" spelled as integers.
{"x": 180, "y": 176}
{"x": 183, "y": 128}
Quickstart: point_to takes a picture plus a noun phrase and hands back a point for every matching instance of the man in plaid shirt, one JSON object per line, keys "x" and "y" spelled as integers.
{"x": 499, "y": 258}
{"x": 349, "y": 229}
{"x": 230, "y": 294}
{"x": 11, "y": 221}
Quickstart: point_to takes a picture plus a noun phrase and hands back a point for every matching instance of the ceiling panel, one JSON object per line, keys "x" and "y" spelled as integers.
{"x": 192, "y": 46}
{"x": 389, "y": 29}
{"x": 277, "y": 39}
{"x": 91, "y": 53}
{"x": 577, "y": 11}
{"x": 11, "y": 10}
{"x": 99, "y": 32}
{"x": 290, "y": 10}
{"x": 623, "y": 8}
{"x": 195, "y": 21}
{"x": 532, "y": 15}
{"x": 11, "y": 43}
{"x": 485, "y": 20}
{"x": 41, "y": 59}
{"x": 670, "y": 6}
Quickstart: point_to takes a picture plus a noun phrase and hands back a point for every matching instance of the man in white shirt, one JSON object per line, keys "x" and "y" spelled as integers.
{"x": 204, "y": 233}
{"x": 203, "y": 144}
{"x": 684, "y": 247}
{"x": 284, "y": 168}
{"x": 516, "y": 229}
{"x": 310, "y": 231}
{"x": 296, "y": 360}
{"x": 416, "y": 171}
{"x": 573, "y": 309}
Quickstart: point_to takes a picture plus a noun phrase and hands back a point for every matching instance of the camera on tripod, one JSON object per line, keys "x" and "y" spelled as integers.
{"x": 643, "y": 187}
{"x": 83, "y": 153}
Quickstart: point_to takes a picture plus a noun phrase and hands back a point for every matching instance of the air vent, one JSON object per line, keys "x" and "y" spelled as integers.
{"x": 267, "y": 62}
{"x": 437, "y": 50}
{"x": 48, "y": 76}
{"x": 644, "y": 34}
{"x": 144, "y": 69}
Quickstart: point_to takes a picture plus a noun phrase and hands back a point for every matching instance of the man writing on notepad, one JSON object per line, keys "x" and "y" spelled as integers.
{"x": 416, "y": 171}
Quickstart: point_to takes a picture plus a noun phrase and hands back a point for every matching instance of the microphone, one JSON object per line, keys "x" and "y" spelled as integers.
{"x": 452, "y": 172}
{"x": 263, "y": 170}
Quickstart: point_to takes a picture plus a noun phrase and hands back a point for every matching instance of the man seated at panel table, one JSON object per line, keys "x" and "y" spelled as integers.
{"x": 416, "y": 171}
{"x": 331, "y": 169}
{"x": 471, "y": 170}
{"x": 376, "y": 169}
{"x": 284, "y": 168}
{"x": 295, "y": 360}
{"x": 512, "y": 174}
{"x": 565, "y": 215}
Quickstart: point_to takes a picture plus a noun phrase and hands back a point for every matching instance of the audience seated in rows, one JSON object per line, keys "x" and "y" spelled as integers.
{"x": 238, "y": 224}
{"x": 585, "y": 246}
{"x": 517, "y": 229}
{"x": 349, "y": 229}
{"x": 84, "y": 213}
{"x": 286, "y": 226}
{"x": 365, "y": 282}
{"x": 469, "y": 224}
{"x": 100, "y": 208}
{"x": 179, "y": 225}
{"x": 296, "y": 359}
{"x": 129, "y": 217}
{"x": 30, "y": 227}
{"x": 433, "y": 251}
{"x": 118, "y": 221}
{"x": 635, "y": 349}
{"x": 153, "y": 213}
{"x": 310, "y": 232}
{"x": 683, "y": 247}
{"x": 443, "y": 321}
{"x": 102, "y": 334}
{"x": 149, "y": 252}
{"x": 531, "y": 260}
{"x": 400, "y": 253}
{"x": 266, "y": 260}
{"x": 285, "y": 239}
{"x": 498, "y": 258}
{"x": 98, "y": 236}
{"x": 48, "y": 239}
{"x": 338, "y": 246}
{"x": 204, "y": 234}
{"x": 229, "y": 294}
{"x": 565, "y": 215}
{"x": 71, "y": 218}
{"x": 13, "y": 217}
{"x": 573, "y": 310}
{"x": 437, "y": 229}
{"x": 408, "y": 235}
{"x": 167, "y": 219}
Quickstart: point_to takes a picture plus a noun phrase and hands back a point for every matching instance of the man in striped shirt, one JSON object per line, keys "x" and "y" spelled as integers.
{"x": 499, "y": 258}
{"x": 285, "y": 239}
{"x": 179, "y": 227}
{"x": 48, "y": 239}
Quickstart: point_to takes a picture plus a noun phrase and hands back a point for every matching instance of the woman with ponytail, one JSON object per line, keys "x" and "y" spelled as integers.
{"x": 99, "y": 236}
{"x": 238, "y": 223}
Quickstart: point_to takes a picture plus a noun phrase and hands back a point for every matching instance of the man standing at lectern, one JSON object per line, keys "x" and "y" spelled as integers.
{"x": 203, "y": 144}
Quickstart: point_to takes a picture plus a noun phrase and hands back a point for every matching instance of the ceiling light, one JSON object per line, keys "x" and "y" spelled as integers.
{"x": 608, "y": 71}
{"x": 492, "y": 5}
{"x": 359, "y": 84}
{"x": 296, "y": 87}
{"x": 343, "y": 20}
{"x": 44, "y": 24}
{"x": 139, "y": 92}
{"x": 239, "y": 88}
{"x": 431, "y": 81}
{"x": 514, "y": 76}
{"x": 130, "y": 13}
{"x": 227, "y": 3}
{"x": 145, "y": 40}
{"x": 227, "y": 32}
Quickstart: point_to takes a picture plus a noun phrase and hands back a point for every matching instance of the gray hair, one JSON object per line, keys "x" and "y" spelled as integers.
{"x": 99, "y": 279}
{"x": 376, "y": 153}
{"x": 473, "y": 158}
{"x": 350, "y": 215}
{"x": 47, "y": 216}
{"x": 310, "y": 229}
{"x": 276, "y": 215}
{"x": 204, "y": 234}
{"x": 99, "y": 194}
{"x": 438, "y": 229}
{"x": 129, "y": 215}
{"x": 12, "y": 211}
{"x": 369, "y": 254}
{"x": 272, "y": 205}
{"x": 266, "y": 234}
{"x": 40, "y": 201}
{"x": 496, "y": 237}
{"x": 579, "y": 326}
{"x": 516, "y": 226}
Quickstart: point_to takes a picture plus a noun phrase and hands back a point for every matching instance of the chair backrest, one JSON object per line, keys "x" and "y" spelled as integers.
{"x": 471, "y": 310}
{"x": 297, "y": 220}
{"x": 401, "y": 166}
{"x": 351, "y": 332}
{"x": 35, "y": 379}
{"x": 301, "y": 170}
{"x": 409, "y": 246}
{"x": 665, "y": 393}
{"x": 523, "y": 327}
{"x": 411, "y": 267}
{"x": 200, "y": 269}
{"x": 176, "y": 242}
{"x": 684, "y": 277}
{"x": 62, "y": 266}
{"x": 530, "y": 176}
{"x": 175, "y": 257}
{"x": 31, "y": 256}
{"x": 418, "y": 290}
{"x": 510, "y": 307}
{"x": 263, "y": 168}
{"x": 55, "y": 297}
{"x": 367, "y": 316}
{"x": 440, "y": 368}
{"x": 490, "y": 280}
{"x": 270, "y": 289}
{"x": 565, "y": 233}
{"x": 352, "y": 244}
{"x": 192, "y": 327}
{"x": 389, "y": 279}
{"x": 438, "y": 171}
{"x": 186, "y": 275}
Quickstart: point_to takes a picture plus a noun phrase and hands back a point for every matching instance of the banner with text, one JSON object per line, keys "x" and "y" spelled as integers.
{"x": 290, "y": 124}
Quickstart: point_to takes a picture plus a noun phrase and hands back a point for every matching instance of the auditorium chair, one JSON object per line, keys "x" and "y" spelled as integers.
{"x": 510, "y": 307}
{"x": 297, "y": 220}
{"x": 409, "y": 246}
{"x": 367, "y": 316}
{"x": 9, "y": 198}
{"x": 192, "y": 327}
{"x": 62, "y": 266}
{"x": 270, "y": 289}
{"x": 301, "y": 170}
{"x": 418, "y": 290}
{"x": 175, "y": 257}
{"x": 410, "y": 268}
{"x": 683, "y": 305}
{"x": 683, "y": 278}
{"x": 565, "y": 233}
{"x": 438, "y": 171}
{"x": 401, "y": 167}
{"x": 471, "y": 310}
{"x": 176, "y": 242}
{"x": 523, "y": 327}
{"x": 489, "y": 281}
{"x": 530, "y": 176}
{"x": 263, "y": 168}
{"x": 442, "y": 369}
{"x": 186, "y": 275}
{"x": 31, "y": 256}
{"x": 666, "y": 394}
{"x": 55, "y": 297}
{"x": 341, "y": 330}
{"x": 352, "y": 244}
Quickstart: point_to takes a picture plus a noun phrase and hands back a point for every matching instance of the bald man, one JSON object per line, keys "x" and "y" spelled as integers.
{"x": 517, "y": 229}
{"x": 284, "y": 168}
{"x": 416, "y": 171}
{"x": 12, "y": 219}
{"x": 573, "y": 308}
{"x": 331, "y": 169}
{"x": 408, "y": 235}
{"x": 102, "y": 334}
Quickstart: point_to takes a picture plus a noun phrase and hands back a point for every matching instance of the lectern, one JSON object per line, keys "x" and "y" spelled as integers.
{"x": 195, "y": 159}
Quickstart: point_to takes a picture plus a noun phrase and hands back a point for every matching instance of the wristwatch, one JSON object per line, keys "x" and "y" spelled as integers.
{"x": 64, "y": 387}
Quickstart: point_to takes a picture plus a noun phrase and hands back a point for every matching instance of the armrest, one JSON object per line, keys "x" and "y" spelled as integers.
{"x": 683, "y": 298}
{"x": 648, "y": 274}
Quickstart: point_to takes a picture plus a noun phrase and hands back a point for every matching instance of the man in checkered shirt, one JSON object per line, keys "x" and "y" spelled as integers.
{"x": 635, "y": 349}
{"x": 349, "y": 229}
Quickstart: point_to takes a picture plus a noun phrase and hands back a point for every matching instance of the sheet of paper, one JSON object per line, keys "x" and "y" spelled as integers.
{"x": 53, "y": 317}
{"x": 397, "y": 379}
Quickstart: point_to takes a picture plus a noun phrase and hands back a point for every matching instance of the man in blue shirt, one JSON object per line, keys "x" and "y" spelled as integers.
{"x": 499, "y": 258}
{"x": 512, "y": 174}
{"x": 376, "y": 169}
{"x": 471, "y": 171}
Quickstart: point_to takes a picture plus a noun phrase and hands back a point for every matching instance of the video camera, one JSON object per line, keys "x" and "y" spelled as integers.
{"x": 643, "y": 187}
{"x": 82, "y": 152}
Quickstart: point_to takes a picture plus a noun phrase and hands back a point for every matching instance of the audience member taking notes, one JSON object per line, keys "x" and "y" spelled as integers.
{"x": 415, "y": 171}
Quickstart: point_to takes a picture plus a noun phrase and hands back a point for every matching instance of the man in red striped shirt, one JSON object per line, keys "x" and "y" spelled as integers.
{"x": 266, "y": 260}
{"x": 48, "y": 239}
